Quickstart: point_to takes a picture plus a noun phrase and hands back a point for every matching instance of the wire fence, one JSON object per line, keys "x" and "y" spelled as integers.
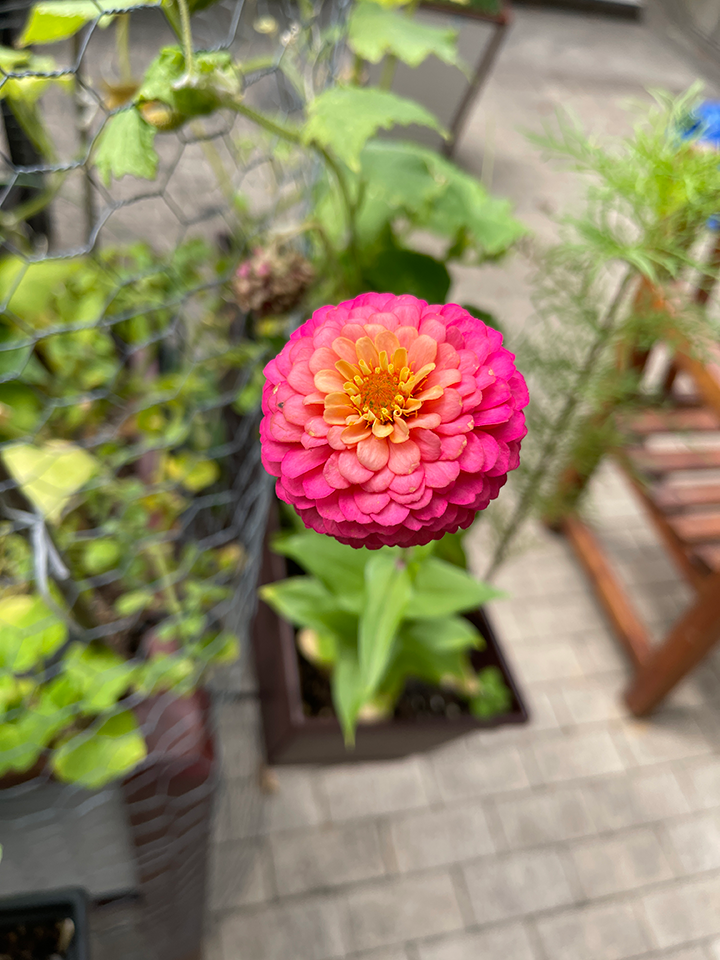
{"x": 132, "y": 497}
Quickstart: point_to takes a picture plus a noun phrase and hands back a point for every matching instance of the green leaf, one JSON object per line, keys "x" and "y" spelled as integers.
{"x": 132, "y": 602}
{"x": 387, "y": 592}
{"x": 450, "y": 548}
{"x": 50, "y": 475}
{"x": 374, "y": 32}
{"x": 101, "y": 676}
{"x": 341, "y": 568}
{"x": 306, "y": 602}
{"x": 34, "y": 287}
{"x": 443, "y": 633}
{"x": 29, "y": 632}
{"x": 125, "y": 146}
{"x": 166, "y": 672}
{"x": 27, "y": 89}
{"x": 441, "y": 589}
{"x": 101, "y": 753}
{"x": 191, "y": 472}
{"x": 169, "y": 95}
{"x": 344, "y": 118}
{"x": 494, "y": 697}
{"x": 407, "y": 271}
{"x": 53, "y": 20}
{"x": 17, "y": 752}
{"x": 348, "y": 693}
{"x": 100, "y": 555}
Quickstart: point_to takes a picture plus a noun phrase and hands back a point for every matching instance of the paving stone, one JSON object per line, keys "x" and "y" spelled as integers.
{"x": 684, "y": 911}
{"x": 404, "y": 909}
{"x": 610, "y": 865}
{"x": 703, "y": 782}
{"x": 325, "y": 857}
{"x": 440, "y": 837}
{"x": 592, "y": 701}
{"x": 696, "y": 841}
{"x": 309, "y": 928}
{"x": 500, "y": 943}
{"x": 640, "y": 797}
{"x": 518, "y": 884}
{"x": 577, "y": 754}
{"x": 714, "y": 949}
{"x": 542, "y": 661}
{"x": 370, "y": 789}
{"x": 668, "y": 736}
{"x": 484, "y": 772}
{"x": 240, "y": 874}
{"x": 604, "y": 932}
{"x": 538, "y": 818}
{"x": 292, "y": 805}
{"x": 689, "y": 953}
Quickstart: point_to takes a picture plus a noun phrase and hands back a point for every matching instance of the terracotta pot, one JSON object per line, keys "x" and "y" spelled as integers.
{"x": 291, "y": 737}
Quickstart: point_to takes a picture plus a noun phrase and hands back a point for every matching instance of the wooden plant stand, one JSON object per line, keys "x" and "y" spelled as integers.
{"x": 686, "y": 512}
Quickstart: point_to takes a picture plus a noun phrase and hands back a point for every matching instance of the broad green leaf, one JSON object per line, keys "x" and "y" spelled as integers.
{"x": 166, "y": 672}
{"x": 50, "y": 475}
{"x": 348, "y": 693}
{"x": 100, "y": 555}
{"x": 441, "y": 589}
{"x": 125, "y": 146}
{"x": 53, "y": 20}
{"x": 443, "y": 633}
{"x": 387, "y": 592}
{"x": 374, "y": 32}
{"x": 169, "y": 95}
{"x": 191, "y": 472}
{"x": 17, "y": 752}
{"x": 389, "y": 4}
{"x": 31, "y": 288}
{"x": 27, "y": 89}
{"x": 438, "y": 667}
{"x": 306, "y": 602}
{"x": 101, "y": 753}
{"x": 450, "y": 547}
{"x": 318, "y": 646}
{"x": 341, "y": 568}
{"x": 494, "y": 696}
{"x": 222, "y": 647}
{"x": 29, "y": 632}
{"x": 407, "y": 271}
{"x": 20, "y": 408}
{"x": 100, "y": 675}
{"x": 343, "y": 119}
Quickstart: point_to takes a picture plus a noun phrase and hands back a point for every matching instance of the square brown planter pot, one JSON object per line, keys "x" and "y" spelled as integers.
{"x": 292, "y": 738}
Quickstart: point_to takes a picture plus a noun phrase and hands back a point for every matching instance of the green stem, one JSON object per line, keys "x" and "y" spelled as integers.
{"x": 163, "y": 573}
{"x": 216, "y": 165}
{"x": 391, "y": 61}
{"x": 272, "y": 126}
{"x": 559, "y": 427}
{"x": 357, "y": 71}
{"x": 122, "y": 46}
{"x": 186, "y": 36}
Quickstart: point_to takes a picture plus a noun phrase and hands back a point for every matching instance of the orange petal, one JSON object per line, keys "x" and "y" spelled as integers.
{"x": 422, "y": 351}
{"x": 366, "y": 351}
{"x": 356, "y": 432}
{"x": 432, "y": 393}
{"x": 388, "y": 342}
{"x": 399, "y": 359}
{"x": 347, "y": 370}
{"x": 328, "y": 381}
{"x": 373, "y": 453}
{"x": 382, "y": 429}
{"x": 335, "y": 416}
{"x": 345, "y": 349}
{"x": 401, "y": 431}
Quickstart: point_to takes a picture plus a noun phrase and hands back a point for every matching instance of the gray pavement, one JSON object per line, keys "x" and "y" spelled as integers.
{"x": 586, "y": 835}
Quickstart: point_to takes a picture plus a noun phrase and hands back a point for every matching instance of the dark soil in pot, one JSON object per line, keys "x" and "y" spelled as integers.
{"x": 44, "y": 926}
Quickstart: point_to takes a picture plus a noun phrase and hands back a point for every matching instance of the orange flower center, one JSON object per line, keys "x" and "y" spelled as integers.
{"x": 377, "y": 394}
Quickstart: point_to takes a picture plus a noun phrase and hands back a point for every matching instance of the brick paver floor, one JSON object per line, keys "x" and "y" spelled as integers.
{"x": 586, "y": 835}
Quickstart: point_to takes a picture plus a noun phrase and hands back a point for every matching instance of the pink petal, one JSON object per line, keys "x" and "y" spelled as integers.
{"x": 427, "y": 420}
{"x": 301, "y": 349}
{"x": 373, "y": 453}
{"x": 350, "y": 509}
{"x": 283, "y": 431}
{"x": 386, "y": 319}
{"x": 301, "y": 379}
{"x": 352, "y": 331}
{"x": 428, "y": 444}
{"x": 404, "y": 457}
{"x": 329, "y": 508}
{"x": 443, "y": 378}
{"x": 447, "y": 357}
{"x": 371, "y": 502}
{"x": 324, "y": 358}
{"x": 468, "y": 489}
{"x": 432, "y": 326}
{"x": 409, "y": 483}
{"x": 449, "y": 406}
{"x": 419, "y": 498}
{"x": 380, "y": 481}
{"x": 350, "y": 467}
{"x": 333, "y": 475}
{"x": 479, "y": 454}
{"x": 452, "y": 447}
{"x": 421, "y": 351}
{"x": 493, "y": 415}
{"x": 407, "y": 336}
{"x": 316, "y": 486}
{"x": 392, "y": 515}
{"x": 295, "y": 410}
{"x": 316, "y": 427}
{"x": 407, "y": 309}
{"x": 463, "y": 424}
{"x": 441, "y": 473}
{"x": 334, "y": 438}
{"x": 297, "y": 462}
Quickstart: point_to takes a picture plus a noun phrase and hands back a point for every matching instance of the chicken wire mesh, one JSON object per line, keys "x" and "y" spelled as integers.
{"x": 132, "y": 497}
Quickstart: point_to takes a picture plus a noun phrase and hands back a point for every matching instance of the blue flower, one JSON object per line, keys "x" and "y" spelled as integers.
{"x": 704, "y": 124}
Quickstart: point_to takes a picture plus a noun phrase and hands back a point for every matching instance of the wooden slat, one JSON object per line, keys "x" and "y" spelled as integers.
{"x": 674, "y": 420}
{"x": 706, "y": 375}
{"x": 675, "y": 496}
{"x": 608, "y": 589}
{"x": 665, "y": 461}
{"x": 696, "y": 527}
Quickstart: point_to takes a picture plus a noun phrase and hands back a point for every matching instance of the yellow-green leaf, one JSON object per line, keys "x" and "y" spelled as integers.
{"x": 193, "y": 473}
{"x": 50, "y": 475}
{"x": 125, "y": 146}
{"x": 101, "y": 753}
{"x": 29, "y": 632}
{"x": 374, "y": 32}
{"x": 53, "y": 20}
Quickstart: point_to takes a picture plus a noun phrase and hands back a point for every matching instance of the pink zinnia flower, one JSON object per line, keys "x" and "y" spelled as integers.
{"x": 389, "y": 422}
